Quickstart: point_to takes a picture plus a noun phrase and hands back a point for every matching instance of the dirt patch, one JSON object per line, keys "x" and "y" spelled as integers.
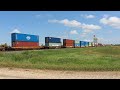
{"x": 15, "y": 73}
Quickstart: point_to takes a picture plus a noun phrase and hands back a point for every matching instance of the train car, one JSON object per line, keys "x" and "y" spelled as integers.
{"x": 67, "y": 43}
{"x": 24, "y": 41}
{"x": 24, "y": 37}
{"x": 86, "y": 44}
{"x": 53, "y": 42}
{"x": 82, "y": 43}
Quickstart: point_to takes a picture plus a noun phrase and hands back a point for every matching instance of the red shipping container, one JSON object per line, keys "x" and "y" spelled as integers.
{"x": 69, "y": 45}
{"x": 25, "y": 44}
{"x": 68, "y": 42}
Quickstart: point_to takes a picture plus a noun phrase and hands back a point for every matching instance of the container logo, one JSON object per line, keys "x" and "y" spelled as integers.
{"x": 28, "y": 37}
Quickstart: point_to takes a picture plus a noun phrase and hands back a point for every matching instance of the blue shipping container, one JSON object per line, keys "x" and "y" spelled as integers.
{"x": 52, "y": 40}
{"x": 82, "y": 43}
{"x": 24, "y": 37}
{"x": 86, "y": 44}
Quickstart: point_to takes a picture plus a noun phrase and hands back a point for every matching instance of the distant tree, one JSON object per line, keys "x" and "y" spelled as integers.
{"x": 4, "y": 45}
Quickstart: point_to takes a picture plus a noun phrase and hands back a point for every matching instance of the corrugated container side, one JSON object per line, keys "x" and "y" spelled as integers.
{"x": 24, "y": 37}
{"x": 86, "y": 44}
{"x": 13, "y": 37}
{"x": 46, "y": 40}
{"x": 53, "y": 44}
{"x": 68, "y": 43}
{"x": 25, "y": 44}
{"x": 82, "y": 44}
{"x": 52, "y": 40}
{"x": 69, "y": 46}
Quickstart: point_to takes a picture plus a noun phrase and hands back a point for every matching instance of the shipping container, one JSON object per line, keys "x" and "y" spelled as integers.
{"x": 53, "y": 44}
{"x": 77, "y": 43}
{"x": 86, "y": 44}
{"x": 25, "y": 44}
{"x": 68, "y": 43}
{"x": 52, "y": 40}
{"x": 82, "y": 44}
{"x": 24, "y": 37}
{"x": 90, "y": 44}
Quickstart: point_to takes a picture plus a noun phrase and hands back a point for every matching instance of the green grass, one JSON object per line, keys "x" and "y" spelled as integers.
{"x": 85, "y": 59}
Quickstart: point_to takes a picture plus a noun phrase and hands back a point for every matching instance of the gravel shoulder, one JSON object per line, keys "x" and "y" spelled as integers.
{"x": 17, "y": 73}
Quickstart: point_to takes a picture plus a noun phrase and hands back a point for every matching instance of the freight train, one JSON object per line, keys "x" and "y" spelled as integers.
{"x": 21, "y": 41}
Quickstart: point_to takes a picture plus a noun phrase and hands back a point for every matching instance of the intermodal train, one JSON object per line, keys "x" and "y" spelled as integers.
{"x": 21, "y": 41}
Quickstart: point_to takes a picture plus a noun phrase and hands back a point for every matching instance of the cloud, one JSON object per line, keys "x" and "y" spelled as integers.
{"x": 53, "y": 21}
{"x": 90, "y": 26}
{"x": 88, "y": 40}
{"x": 87, "y": 28}
{"x": 73, "y": 32}
{"x": 76, "y": 24}
{"x": 88, "y": 16}
{"x": 100, "y": 39}
{"x": 15, "y": 31}
{"x": 83, "y": 34}
{"x": 106, "y": 15}
{"x": 111, "y": 21}
{"x": 66, "y": 22}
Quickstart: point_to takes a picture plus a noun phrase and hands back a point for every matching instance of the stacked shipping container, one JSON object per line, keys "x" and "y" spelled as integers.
{"x": 68, "y": 43}
{"x": 86, "y": 44}
{"x": 52, "y": 42}
{"x": 24, "y": 44}
{"x": 24, "y": 40}
{"x": 77, "y": 43}
{"x": 82, "y": 44}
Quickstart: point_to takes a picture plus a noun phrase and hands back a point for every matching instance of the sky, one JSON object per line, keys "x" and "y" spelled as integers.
{"x": 76, "y": 25}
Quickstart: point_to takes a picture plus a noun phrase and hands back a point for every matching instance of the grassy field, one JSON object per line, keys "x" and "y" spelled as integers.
{"x": 81, "y": 59}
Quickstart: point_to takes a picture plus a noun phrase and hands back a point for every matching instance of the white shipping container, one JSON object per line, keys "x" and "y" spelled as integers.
{"x": 90, "y": 44}
{"x": 76, "y": 41}
{"x": 53, "y": 44}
